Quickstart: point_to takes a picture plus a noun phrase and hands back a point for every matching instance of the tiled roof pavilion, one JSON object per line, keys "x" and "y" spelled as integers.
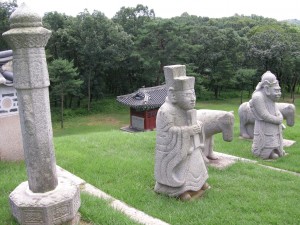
{"x": 145, "y": 98}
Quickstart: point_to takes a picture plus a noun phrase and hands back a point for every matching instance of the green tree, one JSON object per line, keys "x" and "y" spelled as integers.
{"x": 104, "y": 50}
{"x": 220, "y": 52}
{"x": 64, "y": 41}
{"x": 132, "y": 19}
{"x": 162, "y": 42}
{"x": 243, "y": 80}
{"x": 6, "y": 9}
{"x": 269, "y": 48}
{"x": 64, "y": 81}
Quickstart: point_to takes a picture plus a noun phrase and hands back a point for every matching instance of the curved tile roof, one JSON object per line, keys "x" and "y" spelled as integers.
{"x": 145, "y": 98}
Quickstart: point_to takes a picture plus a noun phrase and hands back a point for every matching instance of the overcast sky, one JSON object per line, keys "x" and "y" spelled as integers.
{"x": 278, "y": 9}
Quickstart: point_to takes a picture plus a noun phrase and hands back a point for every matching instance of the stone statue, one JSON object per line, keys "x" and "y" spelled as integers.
{"x": 180, "y": 170}
{"x": 267, "y": 140}
{"x": 247, "y": 119}
{"x": 215, "y": 121}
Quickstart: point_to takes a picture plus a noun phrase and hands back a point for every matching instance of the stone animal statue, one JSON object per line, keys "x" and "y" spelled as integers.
{"x": 247, "y": 118}
{"x": 215, "y": 121}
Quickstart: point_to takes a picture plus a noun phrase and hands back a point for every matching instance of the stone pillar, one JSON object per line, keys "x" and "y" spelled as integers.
{"x": 44, "y": 199}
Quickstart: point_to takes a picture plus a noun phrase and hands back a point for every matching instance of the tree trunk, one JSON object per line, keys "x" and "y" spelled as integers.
{"x": 241, "y": 96}
{"x": 71, "y": 101}
{"x": 78, "y": 102}
{"x": 62, "y": 111}
{"x": 161, "y": 71}
{"x": 216, "y": 92}
{"x": 293, "y": 89}
{"x": 55, "y": 101}
{"x": 89, "y": 91}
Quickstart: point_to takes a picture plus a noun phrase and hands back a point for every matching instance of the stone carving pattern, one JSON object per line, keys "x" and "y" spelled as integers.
{"x": 28, "y": 114}
{"x": 61, "y": 211}
{"x": 23, "y": 40}
{"x": 33, "y": 217}
{"x": 35, "y": 68}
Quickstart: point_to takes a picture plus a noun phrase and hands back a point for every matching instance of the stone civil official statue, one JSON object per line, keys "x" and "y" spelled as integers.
{"x": 180, "y": 170}
{"x": 267, "y": 140}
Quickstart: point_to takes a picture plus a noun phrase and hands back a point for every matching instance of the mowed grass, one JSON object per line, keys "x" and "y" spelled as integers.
{"x": 122, "y": 164}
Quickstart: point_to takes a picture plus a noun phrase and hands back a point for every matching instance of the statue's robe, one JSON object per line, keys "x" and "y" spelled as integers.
{"x": 267, "y": 131}
{"x": 179, "y": 167}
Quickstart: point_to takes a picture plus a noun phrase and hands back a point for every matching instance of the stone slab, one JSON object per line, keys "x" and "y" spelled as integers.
{"x": 288, "y": 143}
{"x": 69, "y": 176}
{"x": 222, "y": 162}
{"x": 11, "y": 145}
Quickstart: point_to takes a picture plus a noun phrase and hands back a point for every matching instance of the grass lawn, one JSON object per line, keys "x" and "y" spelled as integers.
{"x": 121, "y": 164}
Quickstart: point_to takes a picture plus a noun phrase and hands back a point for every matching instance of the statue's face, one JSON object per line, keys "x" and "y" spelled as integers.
{"x": 275, "y": 92}
{"x": 186, "y": 99}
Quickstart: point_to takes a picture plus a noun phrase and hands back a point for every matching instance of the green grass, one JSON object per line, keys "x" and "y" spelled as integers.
{"x": 97, "y": 210}
{"x": 12, "y": 174}
{"x": 122, "y": 164}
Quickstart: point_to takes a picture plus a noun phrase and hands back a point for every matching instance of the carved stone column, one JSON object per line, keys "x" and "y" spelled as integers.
{"x": 44, "y": 199}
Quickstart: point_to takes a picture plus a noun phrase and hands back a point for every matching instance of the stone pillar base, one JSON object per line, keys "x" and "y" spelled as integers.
{"x": 54, "y": 207}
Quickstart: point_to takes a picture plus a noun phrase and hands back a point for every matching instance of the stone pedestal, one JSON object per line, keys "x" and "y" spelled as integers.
{"x": 53, "y": 207}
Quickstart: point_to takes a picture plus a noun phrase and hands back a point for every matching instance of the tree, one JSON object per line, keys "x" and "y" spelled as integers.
{"x": 64, "y": 41}
{"x": 269, "y": 48}
{"x": 133, "y": 19}
{"x": 64, "y": 81}
{"x": 243, "y": 80}
{"x": 6, "y": 9}
{"x": 161, "y": 42}
{"x": 120, "y": 55}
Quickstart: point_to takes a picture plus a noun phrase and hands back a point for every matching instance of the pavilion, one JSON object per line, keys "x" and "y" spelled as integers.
{"x": 144, "y": 104}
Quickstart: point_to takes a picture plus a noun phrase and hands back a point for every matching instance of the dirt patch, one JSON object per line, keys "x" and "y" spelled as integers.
{"x": 222, "y": 162}
{"x": 98, "y": 120}
{"x": 82, "y": 222}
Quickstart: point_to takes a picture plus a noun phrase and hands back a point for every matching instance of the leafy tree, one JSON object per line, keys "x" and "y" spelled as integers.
{"x": 243, "y": 80}
{"x": 292, "y": 73}
{"x": 104, "y": 50}
{"x": 133, "y": 19}
{"x": 6, "y": 9}
{"x": 162, "y": 42}
{"x": 64, "y": 39}
{"x": 120, "y": 55}
{"x": 219, "y": 53}
{"x": 269, "y": 48}
{"x": 64, "y": 81}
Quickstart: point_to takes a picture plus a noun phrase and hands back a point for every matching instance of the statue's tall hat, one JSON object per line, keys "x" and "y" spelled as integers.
{"x": 175, "y": 77}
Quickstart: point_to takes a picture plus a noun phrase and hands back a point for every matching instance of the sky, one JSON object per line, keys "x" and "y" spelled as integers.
{"x": 277, "y": 9}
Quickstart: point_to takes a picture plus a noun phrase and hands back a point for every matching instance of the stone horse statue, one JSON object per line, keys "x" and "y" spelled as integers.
{"x": 247, "y": 118}
{"x": 215, "y": 121}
